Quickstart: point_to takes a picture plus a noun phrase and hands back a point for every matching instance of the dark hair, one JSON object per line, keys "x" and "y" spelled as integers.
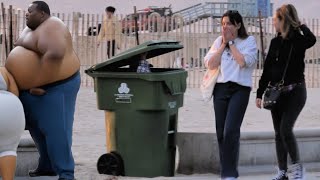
{"x": 110, "y": 9}
{"x": 42, "y": 6}
{"x": 236, "y": 18}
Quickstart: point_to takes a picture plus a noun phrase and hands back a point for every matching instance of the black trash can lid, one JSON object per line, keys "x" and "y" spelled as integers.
{"x": 133, "y": 55}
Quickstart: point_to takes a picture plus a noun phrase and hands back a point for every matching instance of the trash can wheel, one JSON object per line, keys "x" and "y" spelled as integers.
{"x": 111, "y": 164}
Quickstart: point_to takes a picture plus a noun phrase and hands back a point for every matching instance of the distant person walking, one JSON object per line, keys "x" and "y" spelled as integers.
{"x": 236, "y": 54}
{"x": 110, "y": 31}
{"x": 296, "y": 38}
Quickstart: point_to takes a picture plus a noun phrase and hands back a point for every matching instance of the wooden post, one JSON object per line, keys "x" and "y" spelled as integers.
{"x": 194, "y": 46}
{"x": 2, "y": 49}
{"x": 87, "y": 43}
{"x": 10, "y": 29}
{"x": 261, "y": 37}
{"x": 125, "y": 29}
{"x": 23, "y": 19}
{"x": 91, "y": 42}
{"x": 17, "y": 31}
{"x": 140, "y": 25}
{"x": 81, "y": 48}
{"x": 144, "y": 27}
{"x": 4, "y": 28}
{"x": 101, "y": 44}
{"x": 95, "y": 41}
{"x": 314, "y": 58}
{"x": 136, "y": 24}
{"x": 68, "y": 22}
{"x": 317, "y": 55}
{"x": 76, "y": 27}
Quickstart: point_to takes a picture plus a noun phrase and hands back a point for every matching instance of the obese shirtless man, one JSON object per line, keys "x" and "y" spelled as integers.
{"x": 46, "y": 70}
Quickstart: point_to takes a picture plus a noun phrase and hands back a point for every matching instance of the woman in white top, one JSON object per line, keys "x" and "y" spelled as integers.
{"x": 236, "y": 54}
{"x": 12, "y": 124}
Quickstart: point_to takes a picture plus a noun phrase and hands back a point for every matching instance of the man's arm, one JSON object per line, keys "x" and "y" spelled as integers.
{"x": 52, "y": 42}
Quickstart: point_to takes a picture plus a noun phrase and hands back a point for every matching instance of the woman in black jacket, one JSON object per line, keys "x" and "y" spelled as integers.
{"x": 297, "y": 38}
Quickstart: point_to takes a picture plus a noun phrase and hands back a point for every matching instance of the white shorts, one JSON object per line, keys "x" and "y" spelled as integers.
{"x": 12, "y": 123}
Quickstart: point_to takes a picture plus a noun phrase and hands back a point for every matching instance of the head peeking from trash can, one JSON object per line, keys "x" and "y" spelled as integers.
{"x": 123, "y": 89}
{"x": 144, "y": 66}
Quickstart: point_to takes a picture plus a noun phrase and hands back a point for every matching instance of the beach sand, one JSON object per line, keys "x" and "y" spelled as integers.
{"x": 196, "y": 116}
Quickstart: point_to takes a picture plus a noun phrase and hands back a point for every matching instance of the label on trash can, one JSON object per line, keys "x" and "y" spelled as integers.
{"x": 123, "y": 96}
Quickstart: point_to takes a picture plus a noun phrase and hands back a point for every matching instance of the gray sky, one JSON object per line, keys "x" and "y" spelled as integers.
{"x": 306, "y": 8}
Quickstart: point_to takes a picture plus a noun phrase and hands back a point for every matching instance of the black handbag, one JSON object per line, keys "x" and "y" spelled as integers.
{"x": 273, "y": 92}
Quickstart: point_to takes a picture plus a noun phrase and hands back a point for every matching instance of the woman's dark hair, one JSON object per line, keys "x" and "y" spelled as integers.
{"x": 236, "y": 18}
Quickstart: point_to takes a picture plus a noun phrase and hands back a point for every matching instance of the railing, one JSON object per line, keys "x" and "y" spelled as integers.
{"x": 196, "y": 35}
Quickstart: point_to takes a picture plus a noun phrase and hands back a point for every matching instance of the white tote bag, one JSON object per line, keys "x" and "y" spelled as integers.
{"x": 209, "y": 80}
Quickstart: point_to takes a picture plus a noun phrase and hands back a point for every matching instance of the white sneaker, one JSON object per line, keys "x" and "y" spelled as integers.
{"x": 297, "y": 172}
{"x": 229, "y": 178}
{"x": 282, "y": 175}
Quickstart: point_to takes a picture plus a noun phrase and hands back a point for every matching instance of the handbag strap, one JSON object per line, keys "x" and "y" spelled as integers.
{"x": 287, "y": 64}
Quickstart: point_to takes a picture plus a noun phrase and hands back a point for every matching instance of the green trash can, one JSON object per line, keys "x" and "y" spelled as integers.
{"x": 141, "y": 112}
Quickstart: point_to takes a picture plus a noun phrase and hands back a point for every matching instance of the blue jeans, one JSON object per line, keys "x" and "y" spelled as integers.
{"x": 49, "y": 119}
{"x": 230, "y": 104}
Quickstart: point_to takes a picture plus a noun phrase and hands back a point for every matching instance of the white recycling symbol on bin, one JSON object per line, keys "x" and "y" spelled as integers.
{"x": 123, "y": 89}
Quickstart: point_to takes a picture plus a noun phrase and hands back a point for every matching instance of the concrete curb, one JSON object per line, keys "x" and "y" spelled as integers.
{"x": 300, "y": 133}
{"x": 27, "y": 156}
{"x": 199, "y": 152}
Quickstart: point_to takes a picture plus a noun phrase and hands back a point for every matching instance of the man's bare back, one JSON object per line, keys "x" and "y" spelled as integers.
{"x": 43, "y": 55}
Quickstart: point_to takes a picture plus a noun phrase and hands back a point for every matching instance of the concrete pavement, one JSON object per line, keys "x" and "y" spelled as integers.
{"x": 195, "y": 116}
{"x": 310, "y": 176}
